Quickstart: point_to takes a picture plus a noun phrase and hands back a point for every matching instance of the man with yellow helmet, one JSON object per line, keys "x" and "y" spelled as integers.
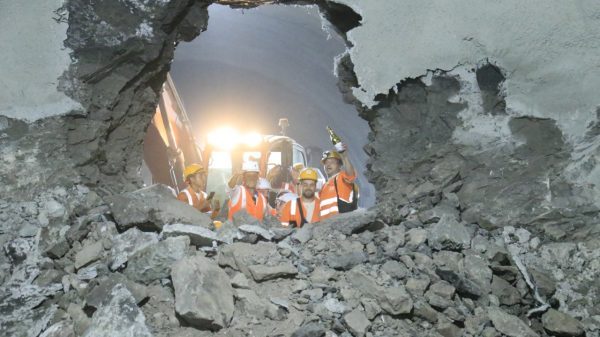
{"x": 338, "y": 194}
{"x": 305, "y": 209}
{"x": 194, "y": 195}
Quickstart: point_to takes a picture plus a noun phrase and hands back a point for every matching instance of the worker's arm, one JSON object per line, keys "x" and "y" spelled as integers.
{"x": 236, "y": 179}
{"x": 216, "y": 209}
{"x": 204, "y": 204}
{"x": 348, "y": 168}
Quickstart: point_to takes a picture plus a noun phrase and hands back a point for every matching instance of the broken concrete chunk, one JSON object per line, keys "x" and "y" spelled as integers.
{"x": 357, "y": 322}
{"x": 394, "y": 300}
{"x": 506, "y": 293}
{"x": 346, "y": 261}
{"x": 199, "y": 236}
{"x": 258, "y": 230}
{"x": 89, "y": 254}
{"x": 240, "y": 281}
{"x": 463, "y": 285}
{"x": 561, "y": 324}
{"x": 153, "y": 207}
{"x": 449, "y": 234}
{"x": 101, "y": 292}
{"x": 251, "y": 305}
{"x": 154, "y": 262}
{"x": 119, "y": 317}
{"x": 303, "y": 234}
{"x": 127, "y": 243}
{"x": 203, "y": 293}
{"x": 310, "y": 330}
{"x": 263, "y": 273}
{"x": 476, "y": 269}
{"x": 437, "y": 213}
{"x": 508, "y": 324}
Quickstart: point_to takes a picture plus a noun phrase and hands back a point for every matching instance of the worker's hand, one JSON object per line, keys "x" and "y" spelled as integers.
{"x": 341, "y": 147}
{"x": 216, "y": 205}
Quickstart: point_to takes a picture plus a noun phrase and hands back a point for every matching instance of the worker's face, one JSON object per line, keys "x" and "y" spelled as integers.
{"x": 250, "y": 179}
{"x": 198, "y": 180}
{"x": 308, "y": 188}
{"x": 332, "y": 166}
{"x": 263, "y": 192}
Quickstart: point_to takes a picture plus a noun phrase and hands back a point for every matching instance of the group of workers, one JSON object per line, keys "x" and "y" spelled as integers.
{"x": 299, "y": 203}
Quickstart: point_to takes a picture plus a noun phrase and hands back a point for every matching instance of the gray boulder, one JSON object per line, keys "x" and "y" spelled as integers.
{"x": 89, "y": 254}
{"x": 561, "y": 324}
{"x": 351, "y": 222}
{"x": 508, "y": 324}
{"x": 310, "y": 330}
{"x": 99, "y": 293}
{"x": 506, "y": 293}
{"x": 263, "y": 273}
{"x": 394, "y": 300}
{"x": 346, "y": 260}
{"x": 203, "y": 293}
{"x": 476, "y": 269}
{"x": 199, "y": 236}
{"x": 251, "y": 305}
{"x": 449, "y": 234}
{"x": 154, "y": 262}
{"x": 357, "y": 322}
{"x": 240, "y": 256}
{"x": 153, "y": 207}
{"x": 127, "y": 243}
{"x": 119, "y": 316}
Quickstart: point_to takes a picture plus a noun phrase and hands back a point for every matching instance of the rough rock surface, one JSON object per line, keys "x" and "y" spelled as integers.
{"x": 119, "y": 316}
{"x": 203, "y": 293}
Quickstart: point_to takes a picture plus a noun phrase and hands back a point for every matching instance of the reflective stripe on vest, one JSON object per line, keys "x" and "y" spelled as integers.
{"x": 189, "y": 197}
{"x": 293, "y": 208}
{"x": 329, "y": 210}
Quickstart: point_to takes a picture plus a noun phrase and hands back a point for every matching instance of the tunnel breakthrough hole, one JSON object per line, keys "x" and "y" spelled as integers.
{"x": 258, "y": 85}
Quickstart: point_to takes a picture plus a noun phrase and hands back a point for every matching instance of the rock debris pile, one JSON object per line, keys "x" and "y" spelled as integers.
{"x": 133, "y": 268}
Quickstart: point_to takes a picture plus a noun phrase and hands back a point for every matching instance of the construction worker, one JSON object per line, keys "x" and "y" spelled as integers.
{"x": 305, "y": 209}
{"x": 246, "y": 197}
{"x": 263, "y": 187}
{"x": 194, "y": 195}
{"x": 337, "y": 195}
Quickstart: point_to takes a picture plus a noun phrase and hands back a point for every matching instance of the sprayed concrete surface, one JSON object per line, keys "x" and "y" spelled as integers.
{"x": 33, "y": 59}
{"x": 549, "y": 50}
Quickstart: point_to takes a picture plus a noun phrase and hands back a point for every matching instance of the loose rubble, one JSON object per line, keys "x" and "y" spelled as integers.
{"x": 445, "y": 277}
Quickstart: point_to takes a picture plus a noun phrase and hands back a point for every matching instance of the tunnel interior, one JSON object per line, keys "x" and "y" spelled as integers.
{"x": 249, "y": 69}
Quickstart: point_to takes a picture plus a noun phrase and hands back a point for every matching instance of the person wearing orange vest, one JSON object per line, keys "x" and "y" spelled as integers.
{"x": 305, "y": 209}
{"x": 194, "y": 195}
{"x": 337, "y": 195}
{"x": 246, "y": 197}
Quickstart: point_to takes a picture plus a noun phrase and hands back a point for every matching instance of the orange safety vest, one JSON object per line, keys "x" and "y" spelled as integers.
{"x": 291, "y": 213}
{"x": 194, "y": 199}
{"x": 329, "y": 197}
{"x": 243, "y": 200}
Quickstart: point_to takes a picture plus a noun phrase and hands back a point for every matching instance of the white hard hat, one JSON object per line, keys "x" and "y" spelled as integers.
{"x": 250, "y": 166}
{"x": 263, "y": 184}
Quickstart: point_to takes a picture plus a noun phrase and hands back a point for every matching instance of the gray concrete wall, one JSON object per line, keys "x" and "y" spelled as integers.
{"x": 33, "y": 59}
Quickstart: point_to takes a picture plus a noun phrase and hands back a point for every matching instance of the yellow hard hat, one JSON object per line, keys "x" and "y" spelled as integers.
{"x": 191, "y": 170}
{"x": 309, "y": 174}
{"x": 330, "y": 154}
